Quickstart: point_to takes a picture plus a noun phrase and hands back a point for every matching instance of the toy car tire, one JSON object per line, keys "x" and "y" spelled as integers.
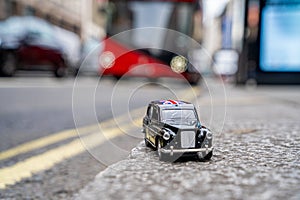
{"x": 147, "y": 143}
{"x": 162, "y": 156}
{"x": 207, "y": 157}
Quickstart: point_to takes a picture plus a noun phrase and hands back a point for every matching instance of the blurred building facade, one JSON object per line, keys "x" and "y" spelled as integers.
{"x": 74, "y": 15}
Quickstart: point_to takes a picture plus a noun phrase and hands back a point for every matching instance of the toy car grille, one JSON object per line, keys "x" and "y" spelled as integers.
{"x": 187, "y": 139}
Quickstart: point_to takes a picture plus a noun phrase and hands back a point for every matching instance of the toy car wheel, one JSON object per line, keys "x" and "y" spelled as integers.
{"x": 147, "y": 143}
{"x": 207, "y": 157}
{"x": 9, "y": 66}
{"x": 158, "y": 145}
{"x": 162, "y": 156}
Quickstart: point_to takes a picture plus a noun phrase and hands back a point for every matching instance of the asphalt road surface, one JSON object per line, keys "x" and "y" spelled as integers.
{"x": 52, "y": 144}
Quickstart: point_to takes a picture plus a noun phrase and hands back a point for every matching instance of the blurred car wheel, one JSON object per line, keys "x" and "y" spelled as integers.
{"x": 9, "y": 65}
{"x": 61, "y": 72}
{"x": 117, "y": 77}
{"x": 193, "y": 79}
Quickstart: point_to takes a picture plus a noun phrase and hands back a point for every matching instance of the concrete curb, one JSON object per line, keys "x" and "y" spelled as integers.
{"x": 142, "y": 176}
{"x": 98, "y": 187}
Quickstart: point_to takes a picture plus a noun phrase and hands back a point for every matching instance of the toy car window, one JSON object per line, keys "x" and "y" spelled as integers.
{"x": 149, "y": 111}
{"x": 155, "y": 114}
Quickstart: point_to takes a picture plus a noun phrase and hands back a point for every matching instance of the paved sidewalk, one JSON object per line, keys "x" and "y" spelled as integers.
{"x": 257, "y": 154}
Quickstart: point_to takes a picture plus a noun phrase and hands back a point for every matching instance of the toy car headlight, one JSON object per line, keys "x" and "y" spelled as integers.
{"x": 166, "y": 135}
{"x": 209, "y": 135}
{"x": 202, "y": 133}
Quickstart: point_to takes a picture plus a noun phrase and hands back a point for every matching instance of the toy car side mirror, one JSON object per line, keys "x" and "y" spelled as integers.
{"x": 146, "y": 120}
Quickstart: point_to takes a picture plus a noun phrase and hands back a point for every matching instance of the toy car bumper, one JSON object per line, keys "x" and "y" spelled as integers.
{"x": 199, "y": 151}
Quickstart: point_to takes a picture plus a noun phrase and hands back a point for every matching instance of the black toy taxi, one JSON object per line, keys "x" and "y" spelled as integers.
{"x": 173, "y": 128}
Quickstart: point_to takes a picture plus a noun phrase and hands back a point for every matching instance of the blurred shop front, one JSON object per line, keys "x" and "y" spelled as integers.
{"x": 270, "y": 51}
{"x": 48, "y": 10}
{"x": 75, "y": 15}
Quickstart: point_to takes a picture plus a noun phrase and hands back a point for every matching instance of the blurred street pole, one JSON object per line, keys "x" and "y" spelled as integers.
{"x": 85, "y": 16}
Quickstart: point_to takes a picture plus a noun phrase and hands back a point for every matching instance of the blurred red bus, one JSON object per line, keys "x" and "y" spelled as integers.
{"x": 149, "y": 38}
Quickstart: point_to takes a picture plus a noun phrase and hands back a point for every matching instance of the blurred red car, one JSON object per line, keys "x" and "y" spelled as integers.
{"x": 30, "y": 43}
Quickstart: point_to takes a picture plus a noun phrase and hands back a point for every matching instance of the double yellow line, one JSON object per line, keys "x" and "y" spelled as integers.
{"x": 90, "y": 134}
{"x": 26, "y": 168}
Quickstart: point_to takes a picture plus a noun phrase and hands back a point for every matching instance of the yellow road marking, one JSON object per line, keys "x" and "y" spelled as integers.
{"x": 54, "y": 138}
{"x": 41, "y": 142}
{"x": 24, "y": 169}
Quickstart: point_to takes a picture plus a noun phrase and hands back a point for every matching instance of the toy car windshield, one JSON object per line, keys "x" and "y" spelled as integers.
{"x": 179, "y": 116}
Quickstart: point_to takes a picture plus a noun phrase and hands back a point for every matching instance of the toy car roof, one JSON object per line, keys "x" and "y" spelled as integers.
{"x": 173, "y": 104}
